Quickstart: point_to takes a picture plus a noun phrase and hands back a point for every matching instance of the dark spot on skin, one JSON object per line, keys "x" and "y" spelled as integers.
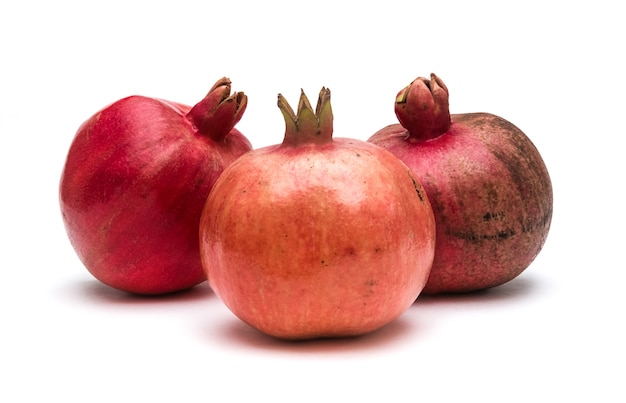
{"x": 543, "y": 222}
{"x": 505, "y": 234}
{"x": 473, "y": 237}
{"x": 417, "y": 187}
{"x": 350, "y": 251}
{"x": 369, "y": 284}
{"x": 498, "y": 216}
{"x": 198, "y": 183}
{"x": 378, "y": 249}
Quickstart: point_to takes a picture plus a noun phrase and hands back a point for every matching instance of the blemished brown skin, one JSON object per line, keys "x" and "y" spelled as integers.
{"x": 317, "y": 237}
{"x": 134, "y": 183}
{"x": 489, "y": 187}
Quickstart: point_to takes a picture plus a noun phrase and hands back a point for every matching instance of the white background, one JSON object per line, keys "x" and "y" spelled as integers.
{"x": 554, "y": 69}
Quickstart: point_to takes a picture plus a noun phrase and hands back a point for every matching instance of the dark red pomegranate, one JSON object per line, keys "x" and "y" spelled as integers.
{"x": 489, "y": 187}
{"x": 317, "y": 236}
{"x": 135, "y": 180}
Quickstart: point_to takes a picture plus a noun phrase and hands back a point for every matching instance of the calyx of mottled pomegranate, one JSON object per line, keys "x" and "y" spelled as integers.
{"x": 422, "y": 108}
{"x": 218, "y": 113}
{"x": 308, "y": 126}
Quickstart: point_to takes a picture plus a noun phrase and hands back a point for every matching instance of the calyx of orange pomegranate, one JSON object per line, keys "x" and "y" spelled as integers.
{"x": 422, "y": 108}
{"x": 308, "y": 126}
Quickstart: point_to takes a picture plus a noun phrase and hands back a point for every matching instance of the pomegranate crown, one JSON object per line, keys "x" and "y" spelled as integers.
{"x": 422, "y": 108}
{"x": 308, "y": 126}
{"x": 218, "y": 113}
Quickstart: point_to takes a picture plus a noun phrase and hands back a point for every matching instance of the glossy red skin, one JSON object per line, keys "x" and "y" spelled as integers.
{"x": 491, "y": 195}
{"x": 132, "y": 190}
{"x": 317, "y": 240}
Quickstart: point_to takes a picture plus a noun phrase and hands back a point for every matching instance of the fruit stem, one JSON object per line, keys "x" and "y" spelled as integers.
{"x": 218, "y": 113}
{"x": 422, "y": 108}
{"x": 307, "y": 126}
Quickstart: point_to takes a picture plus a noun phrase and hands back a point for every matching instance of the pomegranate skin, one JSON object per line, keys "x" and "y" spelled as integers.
{"x": 134, "y": 183}
{"x": 488, "y": 185}
{"x": 317, "y": 237}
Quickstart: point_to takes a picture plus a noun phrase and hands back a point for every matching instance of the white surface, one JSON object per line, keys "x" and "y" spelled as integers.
{"x": 554, "y": 334}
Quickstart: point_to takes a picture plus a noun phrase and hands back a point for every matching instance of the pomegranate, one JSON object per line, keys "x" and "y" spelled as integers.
{"x": 134, "y": 183}
{"x": 317, "y": 236}
{"x": 488, "y": 185}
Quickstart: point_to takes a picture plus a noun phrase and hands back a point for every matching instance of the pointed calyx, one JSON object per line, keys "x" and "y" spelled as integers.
{"x": 308, "y": 126}
{"x": 218, "y": 113}
{"x": 422, "y": 108}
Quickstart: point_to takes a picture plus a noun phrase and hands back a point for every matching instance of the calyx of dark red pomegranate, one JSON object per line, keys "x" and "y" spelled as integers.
{"x": 308, "y": 126}
{"x": 422, "y": 108}
{"x": 218, "y": 113}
